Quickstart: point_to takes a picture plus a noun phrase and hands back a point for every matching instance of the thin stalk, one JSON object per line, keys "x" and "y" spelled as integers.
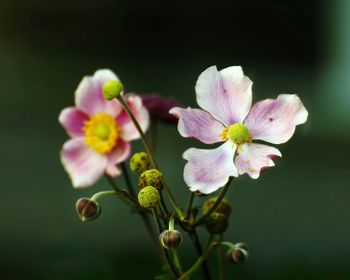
{"x": 99, "y": 195}
{"x": 216, "y": 204}
{"x": 221, "y": 260}
{"x": 198, "y": 246}
{"x": 209, "y": 248}
{"x": 131, "y": 200}
{"x": 176, "y": 261}
{"x": 133, "y": 203}
{"x": 163, "y": 205}
{"x": 189, "y": 207}
{"x": 127, "y": 179}
{"x": 171, "y": 267}
{"x": 149, "y": 151}
{"x": 153, "y": 134}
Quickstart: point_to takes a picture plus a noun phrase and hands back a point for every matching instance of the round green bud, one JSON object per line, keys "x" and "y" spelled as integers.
{"x": 140, "y": 162}
{"x": 151, "y": 177}
{"x": 218, "y": 223}
{"x": 149, "y": 197}
{"x": 223, "y": 208}
{"x": 87, "y": 209}
{"x": 239, "y": 134}
{"x": 237, "y": 256}
{"x": 170, "y": 239}
{"x": 112, "y": 89}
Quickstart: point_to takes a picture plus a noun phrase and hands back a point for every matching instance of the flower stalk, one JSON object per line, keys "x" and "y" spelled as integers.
{"x": 149, "y": 151}
{"x": 216, "y": 204}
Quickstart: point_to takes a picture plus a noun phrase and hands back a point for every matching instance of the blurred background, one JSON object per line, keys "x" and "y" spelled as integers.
{"x": 294, "y": 218}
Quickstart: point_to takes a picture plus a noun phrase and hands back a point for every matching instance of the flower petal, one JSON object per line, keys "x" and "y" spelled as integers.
{"x": 199, "y": 124}
{"x": 119, "y": 154}
{"x": 227, "y": 94}
{"x": 83, "y": 165}
{"x": 129, "y": 131}
{"x": 254, "y": 158}
{"x": 208, "y": 170}
{"x": 73, "y": 121}
{"x": 274, "y": 120}
{"x": 89, "y": 98}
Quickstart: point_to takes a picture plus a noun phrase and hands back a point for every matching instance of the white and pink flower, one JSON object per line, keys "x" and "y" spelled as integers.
{"x": 227, "y": 116}
{"x": 100, "y": 131}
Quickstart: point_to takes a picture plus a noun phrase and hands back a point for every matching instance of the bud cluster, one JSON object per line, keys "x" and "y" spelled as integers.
{"x": 218, "y": 220}
{"x": 150, "y": 180}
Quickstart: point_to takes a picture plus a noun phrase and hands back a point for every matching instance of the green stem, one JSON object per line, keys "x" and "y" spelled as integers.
{"x": 125, "y": 194}
{"x": 149, "y": 151}
{"x": 189, "y": 207}
{"x": 173, "y": 270}
{"x": 209, "y": 248}
{"x": 99, "y": 195}
{"x": 221, "y": 260}
{"x": 171, "y": 223}
{"x": 216, "y": 204}
{"x": 153, "y": 134}
{"x": 176, "y": 261}
{"x": 198, "y": 246}
{"x": 127, "y": 179}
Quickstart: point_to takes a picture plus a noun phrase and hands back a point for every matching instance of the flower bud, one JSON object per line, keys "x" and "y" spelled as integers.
{"x": 237, "y": 256}
{"x": 87, "y": 209}
{"x": 218, "y": 223}
{"x": 242, "y": 245}
{"x": 149, "y": 197}
{"x": 151, "y": 177}
{"x": 223, "y": 208}
{"x": 140, "y": 162}
{"x": 112, "y": 89}
{"x": 170, "y": 239}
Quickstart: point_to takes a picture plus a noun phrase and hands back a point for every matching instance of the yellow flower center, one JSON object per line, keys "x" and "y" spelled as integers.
{"x": 238, "y": 133}
{"x": 101, "y": 133}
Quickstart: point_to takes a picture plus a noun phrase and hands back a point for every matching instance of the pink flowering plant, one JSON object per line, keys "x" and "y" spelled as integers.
{"x": 105, "y": 120}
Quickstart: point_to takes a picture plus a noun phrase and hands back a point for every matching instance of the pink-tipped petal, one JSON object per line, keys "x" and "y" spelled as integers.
{"x": 198, "y": 124}
{"x": 119, "y": 154}
{"x": 274, "y": 120}
{"x": 208, "y": 170}
{"x": 254, "y": 158}
{"x": 89, "y": 98}
{"x": 83, "y": 165}
{"x": 226, "y": 94}
{"x": 73, "y": 121}
{"x": 129, "y": 131}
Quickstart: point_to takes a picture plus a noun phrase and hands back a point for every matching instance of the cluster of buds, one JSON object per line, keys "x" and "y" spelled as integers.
{"x": 218, "y": 220}
{"x": 150, "y": 180}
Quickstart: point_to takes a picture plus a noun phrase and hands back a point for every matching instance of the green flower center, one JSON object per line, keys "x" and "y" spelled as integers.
{"x": 238, "y": 133}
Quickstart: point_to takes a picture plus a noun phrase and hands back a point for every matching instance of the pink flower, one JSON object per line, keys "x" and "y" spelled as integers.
{"x": 100, "y": 131}
{"x": 227, "y": 116}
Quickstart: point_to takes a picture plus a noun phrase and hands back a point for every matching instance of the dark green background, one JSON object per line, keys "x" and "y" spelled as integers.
{"x": 294, "y": 218}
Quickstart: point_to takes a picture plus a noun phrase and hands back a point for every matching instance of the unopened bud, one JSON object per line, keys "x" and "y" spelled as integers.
{"x": 152, "y": 177}
{"x": 170, "y": 239}
{"x": 140, "y": 162}
{"x": 223, "y": 208}
{"x": 112, "y": 89}
{"x": 237, "y": 256}
{"x": 149, "y": 197}
{"x": 87, "y": 209}
{"x": 218, "y": 223}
